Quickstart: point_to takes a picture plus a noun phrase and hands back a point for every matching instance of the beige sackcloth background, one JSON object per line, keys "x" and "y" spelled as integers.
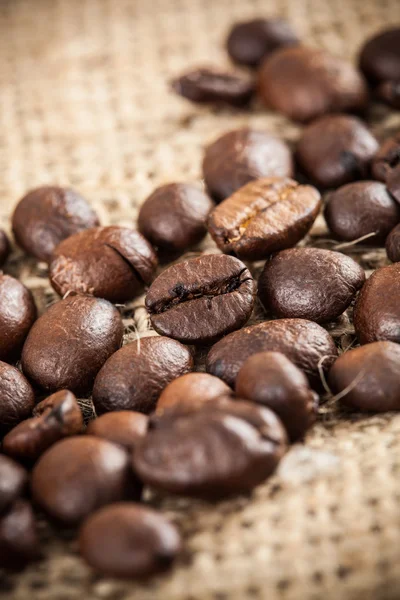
{"x": 84, "y": 101}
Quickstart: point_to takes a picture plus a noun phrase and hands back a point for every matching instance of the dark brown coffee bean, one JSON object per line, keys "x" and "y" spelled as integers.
{"x": 19, "y": 541}
{"x": 48, "y": 215}
{"x": 16, "y": 397}
{"x": 80, "y": 474}
{"x": 393, "y": 183}
{"x": 263, "y": 217}
{"x": 389, "y": 93}
{"x": 70, "y": 342}
{"x": 17, "y": 314}
{"x": 13, "y": 481}
{"x": 368, "y": 377}
{"x": 201, "y": 299}
{"x": 223, "y": 448}
{"x": 336, "y": 149}
{"x": 192, "y": 388}
{"x": 305, "y": 343}
{"x": 129, "y": 540}
{"x": 271, "y": 379}
{"x": 380, "y": 56}
{"x": 393, "y": 245}
{"x": 377, "y": 311}
{"x": 208, "y": 86}
{"x": 359, "y": 209}
{"x": 4, "y": 247}
{"x": 243, "y": 155}
{"x": 387, "y": 158}
{"x": 174, "y": 218}
{"x": 309, "y": 283}
{"x": 55, "y": 417}
{"x": 250, "y": 42}
{"x": 305, "y": 83}
{"x": 134, "y": 377}
{"x": 123, "y": 427}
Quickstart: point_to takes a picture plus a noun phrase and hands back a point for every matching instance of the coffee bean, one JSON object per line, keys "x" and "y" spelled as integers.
{"x": 250, "y": 42}
{"x": 368, "y": 377}
{"x": 393, "y": 245}
{"x": 174, "y": 218}
{"x": 209, "y": 86}
{"x": 271, "y": 379}
{"x": 46, "y": 216}
{"x": 109, "y": 262}
{"x": 305, "y": 83}
{"x": 380, "y": 56}
{"x": 358, "y": 209}
{"x": 377, "y": 311}
{"x": 192, "y": 388}
{"x": 201, "y": 299}
{"x": 54, "y": 418}
{"x": 70, "y": 342}
{"x": 134, "y": 377}
{"x": 129, "y": 540}
{"x": 17, "y": 314}
{"x": 16, "y": 397}
{"x": 387, "y": 158}
{"x": 309, "y": 283}
{"x": 305, "y": 343}
{"x": 19, "y": 542}
{"x": 243, "y": 155}
{"x": 123, "y": 427}
{"x": 336, "y": 149}
{"x": 4, "y": 247}
{"x": 263, "y": 217}
{"x": 223, "y": 448}
{"x": 393, "y": 183}
{"x": 389, "y": 93}
{"x": 80, "y": 474}
{"x": 13, "y": 481}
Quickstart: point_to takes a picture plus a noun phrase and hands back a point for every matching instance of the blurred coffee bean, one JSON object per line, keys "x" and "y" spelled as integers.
{"x": 393, "y": 183}
{"x": 19, "y": 542}
{"x": 380, "y": 56}
{"x": 13, "y": 481}
{"x": 192, "y": 388}
{"x": 122, "y": 427}
{"x": 17, "y": 398}
{"x": 393, "y": 244}
{"x": 210, "y": 86}
{"x": 17, "y": 314}
{"x": 387, "y": 158}
{"x": 4, "y": 247}
{"x": 389, "y": 93}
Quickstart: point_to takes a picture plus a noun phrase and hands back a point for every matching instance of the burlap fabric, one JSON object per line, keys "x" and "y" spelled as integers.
{"x": 84, "y": 102}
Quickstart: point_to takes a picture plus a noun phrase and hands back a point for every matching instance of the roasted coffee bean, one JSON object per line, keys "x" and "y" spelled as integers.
{"x": 134, "y": 377}
{"x": 48, "y": 215}
{"x": 70, "y": 342}
{"x": 192, "y": 388}
{"x": 393, "y": 183}
{"x": 4, "y": 247}
{"x": 19, "y": 541}
{"x": 123, "y": 427}
{"x": 128, "y": 540}
{"x": 336, "y": 149}
{"x": 305, "y": 83}
{"x": 387, "y": 158}
{"x": 380, "y": 56}
{"x": 271, "y": 379}
{"x": 304, "y": 342}
{"x": 377, "y": 311}
{"x": 359, "y": 209}
{"x": 80, "y": 474}
{"x": 250, "y": 42}
{"x": 201, "y": 299}
{"x": 17, "y": 314}
{"x": 109, "y": 262}
{"x": 16, "y": 397}
{"x": 209, "y": 86}
{"x": 393, "y": 244}
{"x": 55, "y": 417}
{"x": 263, "y": 217}
{"x": 243, "y": 155}
{"x": 13, "y": 481}
{"x": 309, "y": 283}
{"x": 223, "y": 448}
{"x": 174, "y": 218}
{"x": 368, "y": 377}
{"x": 389, "y": 93}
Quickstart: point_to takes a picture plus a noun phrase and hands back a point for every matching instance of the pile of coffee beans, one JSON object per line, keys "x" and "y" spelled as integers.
{"x": 160, "y": 423}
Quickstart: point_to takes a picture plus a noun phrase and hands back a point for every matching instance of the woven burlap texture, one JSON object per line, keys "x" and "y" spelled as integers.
{"x": 84, "y": 101}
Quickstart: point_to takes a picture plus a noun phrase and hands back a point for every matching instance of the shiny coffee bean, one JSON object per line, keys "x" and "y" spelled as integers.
{"x": 134, "y": 377}
{"x": 4, "y": 247}
{"x": 387, "y": 158}
{"x": 250, "y": 42}
{"x": 80, "y": 333}
{"x": 19, "y": 541}
{"x": 389, "y": 93}
{"x": 242, "y": 155}
{"x": 13, "y": 481}
{"x": 80, "y": 474}
{"x": 109, "y": 262}
{"x": 46, "y": 216}
{"x": 173, "y": 218}
{"x": 380, "y": 56}
{"x": 359, "y": 209}
{"x": 368, "y": 377}
{"x": 201, "y": 299}
{"x": 309, "y": 283}
{"x": 209, "y": 86}
{"x": 263, "y": 217}
{"x": 336, "y": 149}
{"x": 305, "y": 83}
{"x": 223, "y": 448}
{"x": 17, "y": 314}
{"x": 16, "y": 398}
{"x": 393, "y": 183}
{"x": 123, "y": 427}
{"x": 192, "y": 388}
{"x": 271, "y": 379}
{"x": 305, "y": 343}
{"x": 55, "y": 417}
{"x": 393, "y": 244}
